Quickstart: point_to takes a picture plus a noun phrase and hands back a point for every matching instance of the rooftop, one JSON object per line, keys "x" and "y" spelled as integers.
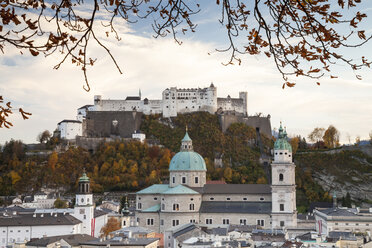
{"x": 73, "y": 240}
{"x": 38, "y": 220}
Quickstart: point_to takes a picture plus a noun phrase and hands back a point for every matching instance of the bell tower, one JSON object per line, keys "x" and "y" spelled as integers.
{"x": 84, "y": 207}
{"x": 283, "y": 187}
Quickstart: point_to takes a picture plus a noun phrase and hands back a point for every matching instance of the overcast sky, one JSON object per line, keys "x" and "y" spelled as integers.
{"x": 153, "y": 64}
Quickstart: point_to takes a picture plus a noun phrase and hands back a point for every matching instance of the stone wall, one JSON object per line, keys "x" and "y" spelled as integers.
{"x": 262, "y": 123}
{"x": 112, "y": 123}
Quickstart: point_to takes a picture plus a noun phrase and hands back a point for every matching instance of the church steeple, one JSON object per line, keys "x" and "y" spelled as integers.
{"x": 186, "y": 143}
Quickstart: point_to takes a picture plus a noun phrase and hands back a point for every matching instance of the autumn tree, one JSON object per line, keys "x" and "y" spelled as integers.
{"x": 295, "y": 141}
{"x": 303, "y": 38}
{"x": 44, "y": 137}
{"x": 357, "y": 140}
{"x": 112, "y": 225}
{"x": 316, "y": 135}
{"x": 331, "y": 137}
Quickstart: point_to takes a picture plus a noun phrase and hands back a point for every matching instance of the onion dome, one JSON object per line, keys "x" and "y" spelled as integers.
{"x": 282, "y": 142}
{"x": 187, "y": 159}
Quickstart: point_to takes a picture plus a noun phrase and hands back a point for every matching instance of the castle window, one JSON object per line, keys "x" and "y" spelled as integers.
{"x": 162, "y": 222}
{"x": 276, "y": 153}
{"x": 285, "y": 153}
{"x": 196, "y": 179}
{"x": 162, "y": 206}
{"x": 225, "y": 221}
{"x": 244, "y": 199}
{"x": 281, "y": 153}
{"x": 211, "y": 198}
{"x": 176, "y": 207}
{"x": 183, "y": 179}
{"x": 175, "y": 222}
{"x": 208, "y": 221}
{"x": 228, "y": 199}
{"x": 243, "y": 221}
{"x": 289, "y": 155}
{"x": 150, "y": 222}
{"x": 139, "y": 205}
{"x": 282, "y": 223}
{"x": 155, "y": 198}
{"x": 192, "y": 206}
{"x": 85, "y": 217}
{"x": 262, "y": 199}
{"x": 281, "y": 177}
{"x": 260, "y": 223}
{"x": 281, "y": 207}
{"x": 173, "y": 180}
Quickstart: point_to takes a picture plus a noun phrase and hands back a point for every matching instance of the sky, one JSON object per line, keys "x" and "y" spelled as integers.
{"x": 153, "y": 65}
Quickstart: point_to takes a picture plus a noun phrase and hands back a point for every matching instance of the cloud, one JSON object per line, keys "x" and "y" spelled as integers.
{"x": 155, "y": 64}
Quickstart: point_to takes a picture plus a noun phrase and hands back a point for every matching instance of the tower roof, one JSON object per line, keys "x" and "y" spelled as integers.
{"x": 84, "y": 178}
{"x": 282, "y": 143}
{"x": 187, "y": 137}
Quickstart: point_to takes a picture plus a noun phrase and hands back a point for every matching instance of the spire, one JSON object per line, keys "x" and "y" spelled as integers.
{"x": 281, "y": 135}
{"x": 186, "y": 144}
{"x": 125, "y": 210}
{"x": 285, "y": 132}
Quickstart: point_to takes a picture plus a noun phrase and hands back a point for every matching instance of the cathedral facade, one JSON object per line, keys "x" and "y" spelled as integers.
{"x": 189, "y": 199}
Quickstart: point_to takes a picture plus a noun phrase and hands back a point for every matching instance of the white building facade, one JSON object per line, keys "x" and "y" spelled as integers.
{"x": 69, "y": 129}
{"x": 188, "y": 199}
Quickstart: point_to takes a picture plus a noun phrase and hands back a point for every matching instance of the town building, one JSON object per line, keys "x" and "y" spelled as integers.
{"x": 188, "y": 199}
{"x": 343, "y": 220}
{"x": 19, "y": 225}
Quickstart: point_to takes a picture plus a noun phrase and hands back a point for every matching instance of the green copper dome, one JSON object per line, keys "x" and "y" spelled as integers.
{"x": 282, "y": 143}
{"x": 187, "y": 159}
{"x": 84, "y": 178}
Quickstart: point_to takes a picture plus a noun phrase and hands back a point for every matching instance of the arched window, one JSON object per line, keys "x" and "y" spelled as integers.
{"x": 176, "y": 207}
{"x": 281, "y": 177}
{"x": 192, "y": 206}
{"x": 162, "y": 206}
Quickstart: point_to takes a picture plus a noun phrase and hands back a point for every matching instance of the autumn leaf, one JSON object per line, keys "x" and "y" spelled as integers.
{"x": 317, "y": 83}
{"x": 361, "y": 34}
{"x": 24, "y": 114}
{"x": 33, "y": 52}
{"x": 290, "y": 84}
{"x": 333, "y": 77}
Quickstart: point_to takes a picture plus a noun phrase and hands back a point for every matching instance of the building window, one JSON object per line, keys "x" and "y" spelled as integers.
{"x": 262, "y": 199}
{"x": 173, "y": 180}
{"x": 244, "y": 199}
{"x": 208, "y": 221}
{"x": 282, "y": 223}
{"x": 225, "y": 221}
{"x": 281, "y": 177}
{"x": 176, "y": 207}
{"x": 183, "y": 180}
{"x": 192, "y": 206}
{"x": 138, "y": 220}
{"x": 150, "y": 222}
{"x": 211, "y": 198}
{"x": 260, "y": 223}
{"x": 336, "y": 224}
{"x": 228, "y": 199}
{"x": 162, "y": 222}
{"x": 243, "y": 221}
{"x": 85, "y": 217}
{"x": 281, "y": 207}
{"x": 162, "y": 206}
{"x": 191, "y": 199}
{"x": 139, "y": 205}
{"x": 347, "y": 224}
{"x": 196, "y": 179}
{"x": 175, "y": 222}
{"x": 192, "y": 221}
{"x": 155, "y": 198}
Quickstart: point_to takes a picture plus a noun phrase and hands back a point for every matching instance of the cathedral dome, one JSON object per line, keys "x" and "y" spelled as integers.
{"x": 187, "y": 159}
{"x": 282, "y": 143}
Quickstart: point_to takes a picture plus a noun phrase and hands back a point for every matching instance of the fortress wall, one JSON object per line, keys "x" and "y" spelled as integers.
{"x": 100, "y": 123}
{"x": 119, "y": 105}
{"x": 263, "y": 123}
{"x": 231, "y": 104}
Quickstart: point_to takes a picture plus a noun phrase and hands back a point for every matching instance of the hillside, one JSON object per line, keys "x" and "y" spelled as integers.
{"x": 129, "y": 166}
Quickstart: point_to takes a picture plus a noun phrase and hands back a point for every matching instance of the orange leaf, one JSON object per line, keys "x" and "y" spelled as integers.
{"x": 290, "y": 84}
{"x": 33, "y": 52}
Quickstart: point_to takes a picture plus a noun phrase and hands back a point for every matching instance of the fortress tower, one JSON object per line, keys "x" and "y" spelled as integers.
{"x": 283, "y": 188}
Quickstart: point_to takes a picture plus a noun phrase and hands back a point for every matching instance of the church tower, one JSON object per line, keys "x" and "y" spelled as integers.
{"x": 283, "y": 188}
{"x": 84, "y": 209}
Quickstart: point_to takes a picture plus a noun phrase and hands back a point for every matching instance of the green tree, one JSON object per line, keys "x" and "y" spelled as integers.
{"x": 58, "y": 203}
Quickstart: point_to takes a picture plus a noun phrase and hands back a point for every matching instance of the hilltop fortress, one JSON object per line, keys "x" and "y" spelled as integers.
{"x": 121, "y": 118}
{"x": 177, "y": 101}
